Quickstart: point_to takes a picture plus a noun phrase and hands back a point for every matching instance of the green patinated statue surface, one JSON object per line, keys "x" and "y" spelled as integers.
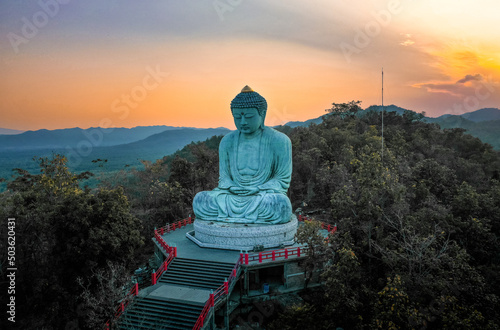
{"x": 255, "y": 167}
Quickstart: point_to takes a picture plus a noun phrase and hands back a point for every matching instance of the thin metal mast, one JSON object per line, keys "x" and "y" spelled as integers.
{"x": 382, "y": 116}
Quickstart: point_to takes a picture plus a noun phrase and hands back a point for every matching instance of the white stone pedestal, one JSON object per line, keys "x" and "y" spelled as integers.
{"x": 233, "y": 236}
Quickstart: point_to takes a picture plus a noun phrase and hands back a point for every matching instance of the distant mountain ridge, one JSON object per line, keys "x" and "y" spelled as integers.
{"x": 483, "y": 123}
{"x": 485, "y": 114}
{"x": 166, "y": 142}
{"x": 487, "y": 130}
{"x": 8, "y": 131}
{"x": 305, "y": 123}
{"x": 72, "y": 137}
{"x": 83, "y": 150}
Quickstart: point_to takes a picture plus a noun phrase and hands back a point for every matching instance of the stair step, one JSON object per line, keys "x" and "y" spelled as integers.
{"x": 174, "y": 317}
{"x": 196, "y": 273}
{"x": 186, "y": 277}
{"x": 223, "y": 265}
{"x": 155, "y": 323}
{"x": 199, "y": 276}
{"x": 168, "y": 312}
{"x": 171, "y": 278}
{"x": 151, "y": 313}
{"x": 182, "y": 281}
{"x": 196, "y": 285}
{"x": 145, "y": 321}
{"x": 158, "y": 309}
{"x": 165, "y": 302}
{"x": 208, "y": 262}
{"x": 202, "y": 266}
{"x": 197, "y": 268}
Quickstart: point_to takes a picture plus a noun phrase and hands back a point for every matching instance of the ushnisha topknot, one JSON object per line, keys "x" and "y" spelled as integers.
{"x": 248, "y": 98}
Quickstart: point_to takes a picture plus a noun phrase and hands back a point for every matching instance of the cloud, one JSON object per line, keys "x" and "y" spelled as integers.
{"x": 459, "y": 89}
{"x": 469, "y": 77}
{"x": 407, "y": 43}
{"x": 445, "y": 88}
{"x": 408, "y": 40}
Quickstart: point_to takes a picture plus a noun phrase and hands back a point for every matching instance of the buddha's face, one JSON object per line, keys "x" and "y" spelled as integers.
{"x": 247, "y": 120}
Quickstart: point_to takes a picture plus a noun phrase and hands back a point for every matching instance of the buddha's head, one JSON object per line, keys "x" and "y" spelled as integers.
{"x": 249, "y": 110}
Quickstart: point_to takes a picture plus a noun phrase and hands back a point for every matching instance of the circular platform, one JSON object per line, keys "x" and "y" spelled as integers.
{"x": 232, "y": 236}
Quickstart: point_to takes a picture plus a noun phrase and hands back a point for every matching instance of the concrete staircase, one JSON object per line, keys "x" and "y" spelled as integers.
{"x": 197, "y": 273}
{"x": 154, "y": 313}
{"x": 165, "y": 306}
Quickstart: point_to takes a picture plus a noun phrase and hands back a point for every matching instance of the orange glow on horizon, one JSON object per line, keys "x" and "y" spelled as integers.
{"x": 180, "y": 72}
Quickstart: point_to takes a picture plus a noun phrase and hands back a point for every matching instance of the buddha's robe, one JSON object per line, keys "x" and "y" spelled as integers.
{"x": 274, "y": 169}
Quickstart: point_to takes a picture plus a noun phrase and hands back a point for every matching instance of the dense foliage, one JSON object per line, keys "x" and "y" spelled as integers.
{"x": 418, "y": 220}
{"x": 63, "y": 233}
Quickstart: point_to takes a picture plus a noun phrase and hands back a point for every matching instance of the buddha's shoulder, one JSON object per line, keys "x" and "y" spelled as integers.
{"x": 277, "y": 136}
{"x": 229, "y": 138}
{"x": 271, "y": 133}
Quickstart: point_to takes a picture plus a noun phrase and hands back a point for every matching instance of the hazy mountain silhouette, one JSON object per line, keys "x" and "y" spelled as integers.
{"x": 8, "y": 131}
{"x": 485, "y": 114}
{"x": 162, "y": 144}
{"x": 72, "y": 137}
{"x": 488, "y": 130}
{"x": 152, "y": 147}
{"x": 305, "y": 123}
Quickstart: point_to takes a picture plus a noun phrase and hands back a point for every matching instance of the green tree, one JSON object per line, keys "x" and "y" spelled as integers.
{"x": 344, "y": 110}
{"x": 394, "y": 309}
{"x": 427, "y": 217}
{"x": 63, "y": 232}
{"x": 310, "y": 235}
{"x": 344, "y": 288}
{"x": 100, "y": 293}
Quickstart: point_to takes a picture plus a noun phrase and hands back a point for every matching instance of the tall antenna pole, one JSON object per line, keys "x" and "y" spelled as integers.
{"x": 382, "y": 116}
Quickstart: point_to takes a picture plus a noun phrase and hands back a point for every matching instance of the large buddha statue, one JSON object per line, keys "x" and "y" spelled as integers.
{"x": 255, "y": 167}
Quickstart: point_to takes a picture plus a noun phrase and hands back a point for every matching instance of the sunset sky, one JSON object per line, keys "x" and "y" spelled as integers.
{"x": 126, "y": 63}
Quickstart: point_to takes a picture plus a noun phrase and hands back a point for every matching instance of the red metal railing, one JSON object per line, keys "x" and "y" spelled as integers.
{"x": 298, "y": 251}
{"x": 222, "y": 291}
{"x": 169, "y": 250}
{"x": 124, "y": 303}
{"x": 175, "y": 225}
{"x": 168, "y": 228}
{"x": 171, "y": 254}
{"x": 245, "y": 258}
{"x": 287, "y": 252}
{"x": 328, "y": 227}
{"x": 204, "y": 313}
{"x": 164, "y": 266}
